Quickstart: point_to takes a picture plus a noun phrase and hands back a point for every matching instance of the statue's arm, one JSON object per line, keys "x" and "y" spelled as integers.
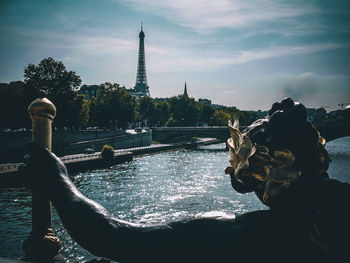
{"x": 95, "y": 229}
{"x": 244, "y": 239}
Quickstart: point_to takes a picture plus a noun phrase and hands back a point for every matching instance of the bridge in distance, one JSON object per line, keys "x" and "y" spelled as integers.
{"x": 329, "y": 132}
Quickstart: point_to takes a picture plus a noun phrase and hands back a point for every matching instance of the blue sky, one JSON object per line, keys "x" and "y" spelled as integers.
{"x": 246, "y": 54}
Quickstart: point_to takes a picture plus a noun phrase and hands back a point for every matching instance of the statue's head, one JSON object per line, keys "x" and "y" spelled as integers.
{"x": 286, "y": 127}
{"x": 277, "y": 150}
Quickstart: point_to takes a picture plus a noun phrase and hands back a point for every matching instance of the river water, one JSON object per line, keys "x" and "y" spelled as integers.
{"x": 151, "y": 189}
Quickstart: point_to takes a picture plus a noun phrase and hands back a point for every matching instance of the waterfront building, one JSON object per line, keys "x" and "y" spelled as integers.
{"x": 218, "y": 106}
{"x": 205, "y": 101}
{"x": 89, "y": 91}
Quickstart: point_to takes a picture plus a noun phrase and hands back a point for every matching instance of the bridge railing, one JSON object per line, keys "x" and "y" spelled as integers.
{"x": 189, "y": 128}
{"x": 193, "y": 128}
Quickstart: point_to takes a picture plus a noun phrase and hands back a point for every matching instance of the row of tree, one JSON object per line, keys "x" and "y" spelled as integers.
{"x": 184, "y": 111}
{"x": 113, "y": 107}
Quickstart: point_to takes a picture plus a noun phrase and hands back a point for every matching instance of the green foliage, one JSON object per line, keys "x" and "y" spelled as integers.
{"x": 79, "y": 116}
{"x": 162, "y": 113}
{"x": 184, "y": 110}
{"x": 246, "y": 118}
{"x": 113, "y": 107}
{"x": 61, "y": 86}
{"x": 221, "y": 117}
{"x": 53, "y": 76}
{"x": 107, "y": 152}
{"x": 147, "y": 110}
{"x": 152, "y": 112}
{"x": 206, "y": 113}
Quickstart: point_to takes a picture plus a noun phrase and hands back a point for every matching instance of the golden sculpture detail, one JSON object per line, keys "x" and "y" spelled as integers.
{"x": 240, "y": 147}
{"x": 42, "y": 111}
{"x": 42, "y": 242}
{"x": 255, "y": 165}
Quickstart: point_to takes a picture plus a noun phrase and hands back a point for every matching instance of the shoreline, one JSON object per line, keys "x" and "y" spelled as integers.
{"x": 9, "y": 176}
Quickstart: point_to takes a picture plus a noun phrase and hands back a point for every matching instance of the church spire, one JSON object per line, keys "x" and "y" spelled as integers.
{"x": 185, "y": 91}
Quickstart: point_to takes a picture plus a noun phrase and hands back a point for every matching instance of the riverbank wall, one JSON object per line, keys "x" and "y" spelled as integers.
{"x": 125, "y": 141}
{"x": 12, "y": 145}
{"x": 10, "y": 177}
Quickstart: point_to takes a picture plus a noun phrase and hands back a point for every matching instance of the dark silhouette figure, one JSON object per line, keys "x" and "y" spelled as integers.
{"x": 308, "y": 224}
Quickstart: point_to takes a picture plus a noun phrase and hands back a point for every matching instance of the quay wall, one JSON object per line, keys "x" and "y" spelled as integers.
{"x": 12, "y": 145}
{"x": 95, "y": 162}
{"x": 124, "y": 141}
{"x": 10, "y": 177}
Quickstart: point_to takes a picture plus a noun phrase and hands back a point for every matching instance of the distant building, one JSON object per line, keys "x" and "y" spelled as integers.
{"x": 89, "y": 91}
{"x": 205, "y": 101}
{"x": 218, "y": 106}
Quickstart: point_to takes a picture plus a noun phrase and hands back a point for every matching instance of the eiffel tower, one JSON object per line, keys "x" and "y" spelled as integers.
{"x": 141, "y": 86}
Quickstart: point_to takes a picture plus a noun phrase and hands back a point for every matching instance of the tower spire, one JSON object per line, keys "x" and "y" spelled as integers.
{"x": 185, "y": 91}
{"x": 141, "y": 86}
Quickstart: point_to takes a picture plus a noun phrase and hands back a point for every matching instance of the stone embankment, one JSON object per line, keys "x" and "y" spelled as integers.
{"x": 9, "y": 176}
{"x": 12, "y": 145}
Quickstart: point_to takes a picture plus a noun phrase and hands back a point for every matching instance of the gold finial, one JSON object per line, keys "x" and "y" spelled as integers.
{"x": 42, "y": 240}
{"x": 42, "y": 111}
{"x": 42, "y": 107}
{"x": 42, "y": 93}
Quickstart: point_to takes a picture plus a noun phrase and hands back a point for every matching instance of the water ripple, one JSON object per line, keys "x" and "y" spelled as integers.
{"x": 151, "y": 189}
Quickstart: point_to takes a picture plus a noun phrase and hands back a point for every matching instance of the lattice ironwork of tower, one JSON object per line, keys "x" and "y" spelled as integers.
{"x": 141, "y": 86}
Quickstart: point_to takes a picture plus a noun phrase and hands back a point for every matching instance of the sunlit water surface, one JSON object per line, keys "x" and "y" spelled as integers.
{"x": 151, "y": 189}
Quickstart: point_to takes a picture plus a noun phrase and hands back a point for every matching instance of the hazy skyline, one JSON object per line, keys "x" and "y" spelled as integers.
{"x": 246, "y": 54}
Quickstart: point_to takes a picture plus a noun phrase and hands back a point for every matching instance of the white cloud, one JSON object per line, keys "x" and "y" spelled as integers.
{"x": 168, "y": 59}
{"x": 277, "y": 51}
{"x": 102, "y": 43}
{"x": 315, "y": 90}
{"x": 204, "y": 15}
{"x": 311, "y": 89}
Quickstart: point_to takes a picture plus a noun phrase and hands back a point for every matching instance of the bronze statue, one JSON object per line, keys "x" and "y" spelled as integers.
{"x": 285, "y": 163}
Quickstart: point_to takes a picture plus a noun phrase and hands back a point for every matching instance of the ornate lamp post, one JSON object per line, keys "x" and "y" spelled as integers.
{"x": 42, "y": 243}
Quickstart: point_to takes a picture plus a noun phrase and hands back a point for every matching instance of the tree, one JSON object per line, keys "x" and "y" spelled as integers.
{"x": 127, "y": 110}
{"x": 184, "y": 111}
{"x": 79, "y": 116}
{"x": 162, "y": 112}
{"x": 113, "y": 107}
{"x": 221, "y": 117}
{"x": 60, "y": 84}
{"x": 94, "y": 109}
{"x": 206, "y": 113}
{"x": 147, "y": 110}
